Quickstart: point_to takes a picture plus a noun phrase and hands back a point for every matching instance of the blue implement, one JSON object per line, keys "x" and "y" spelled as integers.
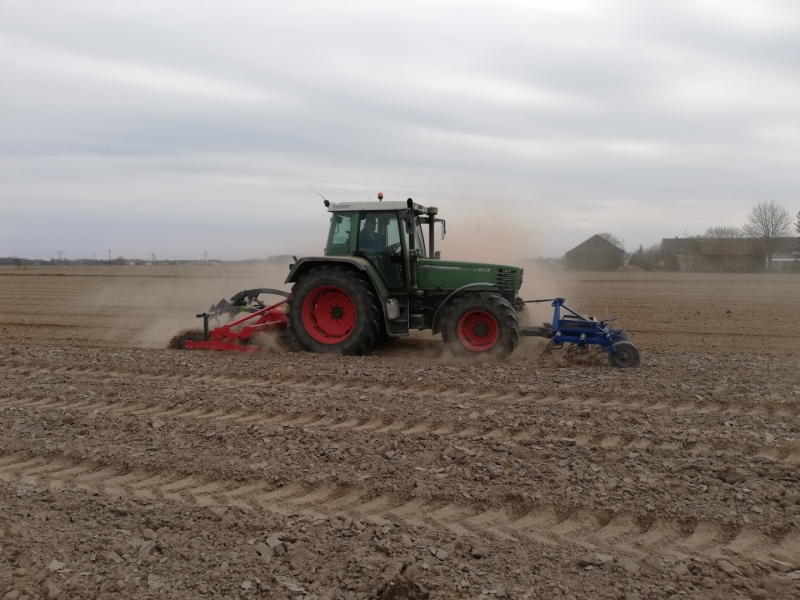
{"x": 569, "y": 327}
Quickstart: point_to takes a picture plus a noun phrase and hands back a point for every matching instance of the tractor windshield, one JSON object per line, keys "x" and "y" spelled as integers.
{"x": 379, "y": 232}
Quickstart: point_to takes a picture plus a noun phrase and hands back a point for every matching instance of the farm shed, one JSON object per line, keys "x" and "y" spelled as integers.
{"x": 595, "y": 254}
{"x": 729, "y": 255}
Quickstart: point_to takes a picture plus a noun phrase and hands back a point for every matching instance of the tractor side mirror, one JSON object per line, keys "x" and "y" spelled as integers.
{"x": 444, "y": 227}
{"x": 437, "y": 254}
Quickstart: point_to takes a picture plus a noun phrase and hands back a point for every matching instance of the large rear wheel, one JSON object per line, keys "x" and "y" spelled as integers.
{"x": 333, "y": 310}
{"x": 481, "y": 323}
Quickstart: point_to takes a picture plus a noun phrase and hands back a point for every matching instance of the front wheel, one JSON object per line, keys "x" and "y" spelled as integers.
{"x": 629, "y": 356}
{"x": 481, "y": 323}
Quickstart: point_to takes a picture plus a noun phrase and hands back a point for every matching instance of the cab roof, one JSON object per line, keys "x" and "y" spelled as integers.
{"x": 373, "y": 206}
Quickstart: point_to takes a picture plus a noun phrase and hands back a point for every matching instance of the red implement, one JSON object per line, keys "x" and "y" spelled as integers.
{"x": 234, "y": 335}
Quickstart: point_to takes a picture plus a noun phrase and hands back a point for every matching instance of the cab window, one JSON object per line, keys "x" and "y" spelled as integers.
{"x": 378, "y": 231}
{"x": 339, "y": 234}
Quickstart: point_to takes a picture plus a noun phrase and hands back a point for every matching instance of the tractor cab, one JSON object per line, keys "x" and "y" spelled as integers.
{"x": 390, "y": 235}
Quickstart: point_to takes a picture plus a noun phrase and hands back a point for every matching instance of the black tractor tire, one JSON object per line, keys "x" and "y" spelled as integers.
{"x": 286, "y": 341}
{"x": 479, "y": 341}
{"x": 359, "y": 313}
{"x": 630, "y": 356}
{"x": 385, "y": 340}
{"x": 185, "y": 338}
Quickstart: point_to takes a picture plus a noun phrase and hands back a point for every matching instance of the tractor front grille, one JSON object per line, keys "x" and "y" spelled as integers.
{"x": 506, "y": 279}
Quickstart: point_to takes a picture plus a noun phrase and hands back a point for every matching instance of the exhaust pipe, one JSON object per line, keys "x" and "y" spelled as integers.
{"x": 432, "y": 212}
{"x": 412, "y": 253}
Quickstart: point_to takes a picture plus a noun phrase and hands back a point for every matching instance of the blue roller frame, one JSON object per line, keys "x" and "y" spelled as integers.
{"x": 579, "y": 330}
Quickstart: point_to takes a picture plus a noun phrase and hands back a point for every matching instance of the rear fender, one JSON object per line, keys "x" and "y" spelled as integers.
{"x": 436, "y": 326}
{"x": 304, "y": 265}
{"x": 356, "y": 263}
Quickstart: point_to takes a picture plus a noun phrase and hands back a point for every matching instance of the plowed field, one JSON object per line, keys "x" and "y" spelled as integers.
{"x": 129, "y": 470}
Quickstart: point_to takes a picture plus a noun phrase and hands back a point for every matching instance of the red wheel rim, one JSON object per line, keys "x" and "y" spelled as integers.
{"x": 329, "y": 314}
{"x": 478, "y": 330}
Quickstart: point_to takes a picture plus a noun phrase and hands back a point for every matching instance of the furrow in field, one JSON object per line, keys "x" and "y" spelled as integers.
{"x": 539, "y": 525}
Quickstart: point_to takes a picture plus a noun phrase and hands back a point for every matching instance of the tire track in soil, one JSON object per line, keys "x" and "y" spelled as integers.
{"x": 787, "y": 454}
{"x": 453, "y": 392}
{"x": 566, "y": 402}
{"x": 541, "y": 525}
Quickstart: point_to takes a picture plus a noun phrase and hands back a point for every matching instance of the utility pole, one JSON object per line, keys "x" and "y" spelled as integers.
{"x": 109, "y": 257}
{"x": 154, "y": 257}
{"x": 59, "y": 252}
{"x": 205, "y": 256}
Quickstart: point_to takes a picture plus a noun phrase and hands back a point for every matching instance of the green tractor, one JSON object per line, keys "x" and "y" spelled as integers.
{"x": 381, "y": 277}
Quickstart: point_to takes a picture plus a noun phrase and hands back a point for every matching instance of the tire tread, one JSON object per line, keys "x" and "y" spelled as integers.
{"x": 508, "y": 322}
{"x": 358, "y": 343}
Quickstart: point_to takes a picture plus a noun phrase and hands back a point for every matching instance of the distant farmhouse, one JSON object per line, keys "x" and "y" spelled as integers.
{"x": 729, "y": 255}
{"x": 595, "y": 254}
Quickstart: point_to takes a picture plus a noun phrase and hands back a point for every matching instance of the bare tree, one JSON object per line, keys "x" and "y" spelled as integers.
{"x": 722, "y": 242}
{"x": 610, "y": 237}
{"x": 797, "y": 223}
{"x": 724, "y": 232}
{"x": 768, "y": 221}
{"x": 648, "y": 258}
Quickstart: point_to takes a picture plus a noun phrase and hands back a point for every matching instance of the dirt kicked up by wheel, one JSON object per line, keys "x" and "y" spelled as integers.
{"x": 629, "y": 356}
{"x": 187, "y": 337}
{"x": 333, "y": 310}
{"x": 481, "y": 323}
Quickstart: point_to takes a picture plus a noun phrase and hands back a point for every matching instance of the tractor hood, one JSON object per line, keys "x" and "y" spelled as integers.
{"x": 450, "y": 275}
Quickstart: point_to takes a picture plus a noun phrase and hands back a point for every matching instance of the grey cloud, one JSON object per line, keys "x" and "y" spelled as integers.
{"x": 128, "y": 120}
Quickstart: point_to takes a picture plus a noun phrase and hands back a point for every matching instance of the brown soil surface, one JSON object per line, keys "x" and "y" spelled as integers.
{"x": 130, "y": 470}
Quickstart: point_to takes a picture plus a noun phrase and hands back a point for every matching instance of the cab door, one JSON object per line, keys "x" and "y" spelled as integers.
{"x": 380, "y": 242}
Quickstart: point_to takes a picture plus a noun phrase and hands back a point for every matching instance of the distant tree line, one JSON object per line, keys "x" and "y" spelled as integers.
{"x": 767, "y": 222}
{"x": 56, "y": 262}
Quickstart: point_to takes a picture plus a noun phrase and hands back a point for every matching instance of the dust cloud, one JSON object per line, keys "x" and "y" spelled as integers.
{"x": 149, "y": 305}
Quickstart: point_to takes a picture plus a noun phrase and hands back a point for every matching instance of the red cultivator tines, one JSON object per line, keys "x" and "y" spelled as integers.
{"x": 236, "y": 335}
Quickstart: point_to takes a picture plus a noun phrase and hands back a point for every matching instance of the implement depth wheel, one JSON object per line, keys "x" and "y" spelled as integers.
{"x": 187, "y": 337}
{"x": 481, "y": 323}
{"x": 624, "y": 335}
{"x": 630, "y": 356}
{"x": 333, "y": 310}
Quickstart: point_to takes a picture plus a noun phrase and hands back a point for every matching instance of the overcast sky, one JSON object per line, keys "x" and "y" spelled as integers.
{"x": 176, "y": 127}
